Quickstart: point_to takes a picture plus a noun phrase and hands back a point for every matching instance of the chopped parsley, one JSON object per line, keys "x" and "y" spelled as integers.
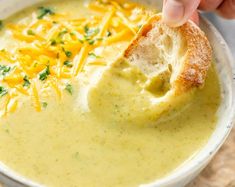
{"x": 4, "y": 70}
{"x": 95, "y": 31}
{"x": 53, "y": 42}
{"x": 72, "y": 34}
{"x": 3, "y": 91}
{"x": 81, "y": 41}
{"x": 44, "y": 104}
{"x": 90, "y": 33}
{"x": 1, "y": 24}
{"x": 26, "y": 81}
{"x": 86, "y": 29}
{"x": 43, "y": 11}
{"x": 69, "y": 88}
{"x": 108, "y": 34}
{"x": 91, "y": 42}
{"x": 67, "y": 53}
{"x": 92, "y": 55}
{"x": 63, "y": 32}
{"x": 30, "y": 32}
{"x": 35, "y": 64}
{"x": 139, "y": 26}
{"x": 44, "y": 74}
{"x": 68, "y": 64}
{"x": 58, "y": 39}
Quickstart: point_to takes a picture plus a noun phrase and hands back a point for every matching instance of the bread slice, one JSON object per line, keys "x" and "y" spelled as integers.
{"x": 174, "y": 63}
{"x": 180, "y": 56}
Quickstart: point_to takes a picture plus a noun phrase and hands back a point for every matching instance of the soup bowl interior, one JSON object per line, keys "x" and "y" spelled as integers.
{"x": 185, "y": 173}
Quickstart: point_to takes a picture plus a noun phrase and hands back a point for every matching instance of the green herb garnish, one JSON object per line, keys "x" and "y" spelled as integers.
{"x": 91, "y": 42}
{"x": 35, "y": 64}
{"x": 4, "y": 70}
{"x": 69, "y": 88}
{"x": 43, "y": 11}
{"x": 108, "y": 34}
{"x": 53, "y": 42}
{"x": 92, "y": 55}
{"x": 81, "y": 41}
{"x": 67, "y": 53}
{"x": 95, "y": 31}
{"x": 68, "y": 64}
{"x": 63, "y": 32}
{"x": 86, "y": 29}
{"x": 26, "y": 81}
{"x": 3, "y": 91}
{"x": 90, "y": 32}
{"x": 139, "y": 26}
{"x": 72, "y": 34}
{"x": 44, "y": 104}
{"x": 44, "y": 74}
{"x": 30, "y": 32}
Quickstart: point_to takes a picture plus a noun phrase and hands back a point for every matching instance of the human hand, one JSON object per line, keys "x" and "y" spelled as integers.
{"x": 177, "y": 12}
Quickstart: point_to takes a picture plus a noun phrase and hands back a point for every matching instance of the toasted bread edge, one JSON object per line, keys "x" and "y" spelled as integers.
{"x": 199, "y": 54}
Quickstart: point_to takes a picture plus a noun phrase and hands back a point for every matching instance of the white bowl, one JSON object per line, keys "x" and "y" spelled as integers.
{"x": 190, "y": 169}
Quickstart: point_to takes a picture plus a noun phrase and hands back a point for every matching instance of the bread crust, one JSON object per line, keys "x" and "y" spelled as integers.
{"x": 193, "y": 69}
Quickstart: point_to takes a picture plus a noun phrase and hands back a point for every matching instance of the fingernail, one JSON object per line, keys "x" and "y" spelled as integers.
{"x": 173, "y": 12}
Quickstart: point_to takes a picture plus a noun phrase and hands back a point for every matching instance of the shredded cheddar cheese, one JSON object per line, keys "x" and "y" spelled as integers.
{"x": 35, "y": 97}
{"x": 55, "y": 47}
{"x": 80, "y": 62}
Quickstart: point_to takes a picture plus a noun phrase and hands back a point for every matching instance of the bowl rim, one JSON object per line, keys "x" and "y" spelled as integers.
{"x": 196, "y": 162}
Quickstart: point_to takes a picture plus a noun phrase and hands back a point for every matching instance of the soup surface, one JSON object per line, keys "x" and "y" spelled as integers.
{"x": 74, "y": 115}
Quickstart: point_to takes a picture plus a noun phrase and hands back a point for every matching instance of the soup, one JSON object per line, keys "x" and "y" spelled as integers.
{"x": 74, "y": 114}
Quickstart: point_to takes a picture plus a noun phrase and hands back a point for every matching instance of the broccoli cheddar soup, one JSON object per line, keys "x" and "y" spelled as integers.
{"x": 74, "y": 113}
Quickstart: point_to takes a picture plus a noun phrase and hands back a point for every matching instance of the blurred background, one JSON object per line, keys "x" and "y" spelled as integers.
{"x": 226, "y": 28}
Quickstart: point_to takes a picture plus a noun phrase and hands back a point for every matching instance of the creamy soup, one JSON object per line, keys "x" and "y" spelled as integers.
{"x": 74, "y": 114}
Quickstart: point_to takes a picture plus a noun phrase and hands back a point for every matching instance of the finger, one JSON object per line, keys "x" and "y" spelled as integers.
{"x": 227, "y": 9}
{"x": 195, "y": 17}
{"x": 210, "y": 5}
{"x": 177, "y": 12}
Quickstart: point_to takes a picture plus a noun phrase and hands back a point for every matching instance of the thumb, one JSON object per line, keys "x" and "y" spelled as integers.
{"x": 177, "y": 12}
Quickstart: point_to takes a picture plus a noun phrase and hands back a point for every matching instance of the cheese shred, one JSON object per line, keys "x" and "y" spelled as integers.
{"x": 35, "y": 97}
{"x": 53, "y": 50}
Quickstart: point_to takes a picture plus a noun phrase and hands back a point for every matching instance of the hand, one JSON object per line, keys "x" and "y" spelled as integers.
{"x": 177, "y": 12}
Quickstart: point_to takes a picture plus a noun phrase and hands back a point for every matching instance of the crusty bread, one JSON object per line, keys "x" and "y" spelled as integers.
{"x": 174, "y": 61}
{"x": 182, "y": 55}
